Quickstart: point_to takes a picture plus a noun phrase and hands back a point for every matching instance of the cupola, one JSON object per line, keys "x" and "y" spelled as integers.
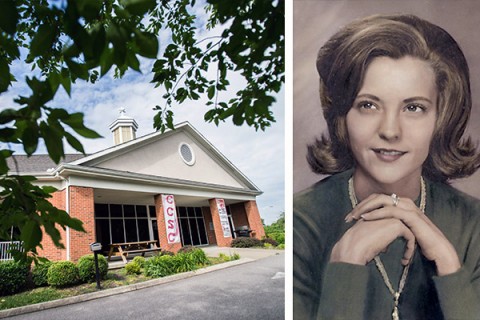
{"x": 124, "y": 128}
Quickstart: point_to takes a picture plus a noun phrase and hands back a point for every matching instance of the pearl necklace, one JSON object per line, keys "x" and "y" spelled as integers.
{"x": 378, "y": 261}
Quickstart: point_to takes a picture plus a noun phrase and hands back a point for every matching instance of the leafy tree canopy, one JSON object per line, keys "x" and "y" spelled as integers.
{"x": 65, "y": 41}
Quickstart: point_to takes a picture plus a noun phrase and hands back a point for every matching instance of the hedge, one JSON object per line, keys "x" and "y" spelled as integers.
{"x": 63, "y": 273}
{"x": 86, "y": 267}
{"x": 13, "y": 277}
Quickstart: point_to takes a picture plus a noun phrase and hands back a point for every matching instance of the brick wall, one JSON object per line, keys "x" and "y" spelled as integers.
{"x": 50, "y": 251}
{"x": 254, "y": 220}
{"x": 207, "y": 216}
{"x": 82, "y": 208}
{"x": 162, "y": 229}
{"x": 239, "y": 216}
{"x": 222, "y": 241}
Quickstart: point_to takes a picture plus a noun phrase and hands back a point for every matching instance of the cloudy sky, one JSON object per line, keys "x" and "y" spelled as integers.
{"x": 259, "y": 155}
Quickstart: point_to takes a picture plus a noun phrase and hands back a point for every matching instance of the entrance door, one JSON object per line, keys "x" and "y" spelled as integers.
{"x": 192, "y": 226}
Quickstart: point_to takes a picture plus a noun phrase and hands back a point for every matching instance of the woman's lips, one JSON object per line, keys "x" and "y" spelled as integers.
{"x": 388, "y": 155}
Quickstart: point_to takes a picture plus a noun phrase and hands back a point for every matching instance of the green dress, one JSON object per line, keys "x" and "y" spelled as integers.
{"x": 324, "y": 290}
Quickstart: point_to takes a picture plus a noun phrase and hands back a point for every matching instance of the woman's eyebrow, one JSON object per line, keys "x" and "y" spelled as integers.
{"x": 408, "y": 100}
{"x": 368, "y": 96}
{"x": 413, "y": 99}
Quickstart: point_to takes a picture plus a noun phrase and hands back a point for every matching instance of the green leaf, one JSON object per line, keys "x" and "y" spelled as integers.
{"x": 77, "y": 145}
{"x": 147, "y": 44}
{"x": 211, "y": 92}
{"x": 53, "y": 142}
{"x": 75, "y": 121}
{"x": 8, "y": 115}
{"x": 138, "y": 7}
{"x": 31, "y": 234}
{"x": 66, "y": 81}
{"x": 4, "y": 154}
{"x": 30, "y": 138}
{"x": 89, "y": 9}
{"x": 8, "y": 16}
{"x": 43, "y": 40}
{"x": 5, "y": 76}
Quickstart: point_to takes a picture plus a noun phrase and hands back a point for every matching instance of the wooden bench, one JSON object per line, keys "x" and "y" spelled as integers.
{"x": 123, "y": 249}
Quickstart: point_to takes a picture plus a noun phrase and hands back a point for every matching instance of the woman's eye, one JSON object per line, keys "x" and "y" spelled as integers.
{"x": 414, "y": 108}
{"x": 367, "y": 105}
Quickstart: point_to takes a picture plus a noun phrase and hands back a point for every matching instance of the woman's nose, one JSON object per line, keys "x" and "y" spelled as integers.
{"x": 390, "y": 127}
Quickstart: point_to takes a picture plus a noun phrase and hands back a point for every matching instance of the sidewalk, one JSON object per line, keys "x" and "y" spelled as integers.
{"x": 246, "y": 255}
{"x": 251, "y": 253}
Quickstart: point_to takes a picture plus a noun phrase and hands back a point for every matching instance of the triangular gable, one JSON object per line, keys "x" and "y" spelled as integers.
{"x": 158, "y": 154}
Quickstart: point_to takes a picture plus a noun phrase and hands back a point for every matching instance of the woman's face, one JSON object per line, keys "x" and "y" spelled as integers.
{"x": 392, "y": 119}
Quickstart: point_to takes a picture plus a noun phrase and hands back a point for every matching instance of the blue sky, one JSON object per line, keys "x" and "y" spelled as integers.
{"x": 259, "y": 155}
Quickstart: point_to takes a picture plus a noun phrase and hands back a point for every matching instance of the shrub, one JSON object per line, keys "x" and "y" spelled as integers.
{"x": 139, "y": 260}
{"x": 226, "y": 258}
{"x": 242, "y": 242}
{"x": 281, "y": 246}
{"x": 86, "y": 267}
{"x": 186, "y": 249}
{"x": 270, "y": 241}
{"x": 167, "y": 253}
{"x": 198, "y": 256}
{"x": 13, "y": 277}
{"x": 277, "y": 236}
{"x": 39, "y": 274}
{"x": 133, "y": 267}
{"x": 62, "y": 273}
{"x": 159, "y": 266}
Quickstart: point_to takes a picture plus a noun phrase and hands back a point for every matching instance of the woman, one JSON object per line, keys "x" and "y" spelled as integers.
{"x": 385, "y": 236}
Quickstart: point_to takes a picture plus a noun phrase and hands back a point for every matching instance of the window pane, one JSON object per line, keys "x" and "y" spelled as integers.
{"x": 141, "y": 211}
{"x": 182, "y": 211}
{"x": 202, "y": 231}
{"x": 153, "y": 213}
{"x": 101, "y": 210}
{"x": 117, "y": 231}
{"x": 194, "y": 231}
{"x": 103, "y": 232}
{"x": 185, "y": 232}
{"x": 129, "y": 211}
{"x": 143, "y": 234}
{"x": 198, "y": 212}
{"x": 155, "y": 231}
{"x": 131, "y": 230}
{"x": 116, "y": 210}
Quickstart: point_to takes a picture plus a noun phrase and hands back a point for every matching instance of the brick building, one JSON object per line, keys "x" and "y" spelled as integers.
{"x": 174, "y": 187}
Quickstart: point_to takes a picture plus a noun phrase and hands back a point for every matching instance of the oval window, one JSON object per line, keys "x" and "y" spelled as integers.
{"x": 186, "y": 153}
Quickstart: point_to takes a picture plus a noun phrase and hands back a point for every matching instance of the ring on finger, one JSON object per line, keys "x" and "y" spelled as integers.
{"x": 395, "y": 199}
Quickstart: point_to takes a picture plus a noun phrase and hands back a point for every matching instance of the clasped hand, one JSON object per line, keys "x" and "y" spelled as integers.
{"x": 379, "y": 223}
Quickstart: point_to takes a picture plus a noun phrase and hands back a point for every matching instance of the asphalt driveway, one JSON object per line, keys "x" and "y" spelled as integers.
{"x": 253, "y": 290}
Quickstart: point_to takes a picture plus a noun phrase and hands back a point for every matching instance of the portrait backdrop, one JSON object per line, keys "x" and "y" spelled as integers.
{"x": 314, "y": 22}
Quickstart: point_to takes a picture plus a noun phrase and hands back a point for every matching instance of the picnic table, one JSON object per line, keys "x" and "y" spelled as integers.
{"x": 123, "y": 249}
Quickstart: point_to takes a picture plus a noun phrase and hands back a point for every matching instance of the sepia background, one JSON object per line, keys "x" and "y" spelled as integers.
{"x": 316, "y": 21}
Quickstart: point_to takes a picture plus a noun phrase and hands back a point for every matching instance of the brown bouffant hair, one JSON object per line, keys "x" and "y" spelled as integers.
{"x": 342, "y": 63}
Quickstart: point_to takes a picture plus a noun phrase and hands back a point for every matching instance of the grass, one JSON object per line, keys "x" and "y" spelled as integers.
{"x": 115, "y": 278}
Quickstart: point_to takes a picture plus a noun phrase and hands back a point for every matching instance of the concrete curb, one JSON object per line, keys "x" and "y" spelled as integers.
{"x": 114, "y": 291}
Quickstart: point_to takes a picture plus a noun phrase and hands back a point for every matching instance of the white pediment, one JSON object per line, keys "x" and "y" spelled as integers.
{"x": 160, "y": 155}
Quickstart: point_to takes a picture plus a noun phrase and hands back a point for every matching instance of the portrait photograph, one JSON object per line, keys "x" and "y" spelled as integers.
{"x": 386, "y": 132}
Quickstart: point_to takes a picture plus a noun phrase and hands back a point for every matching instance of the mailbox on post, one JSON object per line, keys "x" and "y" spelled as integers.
{"x": 96, "y": 247}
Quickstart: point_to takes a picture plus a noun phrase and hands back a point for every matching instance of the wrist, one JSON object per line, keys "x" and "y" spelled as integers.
{"x": 341, "y": 255}
{"x": 448, "y": 264}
